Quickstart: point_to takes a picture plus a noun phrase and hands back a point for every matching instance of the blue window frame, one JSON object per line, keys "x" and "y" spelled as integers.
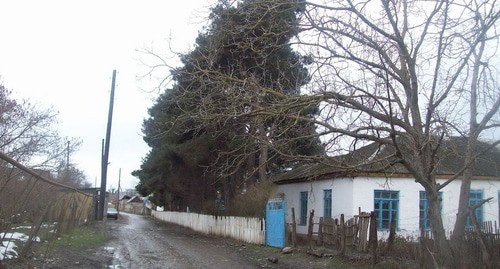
{"x": 303, "y": 208}
{"x": 386, "y": 205}
{"x": 327, "y": 201}
{"x": 476, "y": 197}
{"x": 424, "y": 220}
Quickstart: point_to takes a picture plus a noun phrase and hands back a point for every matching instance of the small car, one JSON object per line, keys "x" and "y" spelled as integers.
{"x": 112, "y": 213}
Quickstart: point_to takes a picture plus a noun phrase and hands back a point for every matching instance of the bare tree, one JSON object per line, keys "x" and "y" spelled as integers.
{"x": 405, "y": 74}
{"x": 484, "y": 101}
{"x": 29, "y": 134}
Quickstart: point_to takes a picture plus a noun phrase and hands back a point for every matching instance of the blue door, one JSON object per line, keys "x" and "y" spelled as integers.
{"x": 275, "y": 223}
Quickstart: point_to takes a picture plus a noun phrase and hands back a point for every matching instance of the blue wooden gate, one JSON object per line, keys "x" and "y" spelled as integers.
{"x": 275, "y": 223}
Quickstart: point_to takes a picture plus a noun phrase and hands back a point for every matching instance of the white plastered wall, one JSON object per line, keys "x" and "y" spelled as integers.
{"x": 349, "y": 194}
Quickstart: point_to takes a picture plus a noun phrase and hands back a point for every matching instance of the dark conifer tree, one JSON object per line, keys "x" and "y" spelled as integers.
{"x": 210, "y": 123}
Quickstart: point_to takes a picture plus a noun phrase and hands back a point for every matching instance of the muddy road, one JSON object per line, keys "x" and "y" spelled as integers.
{"x": 135, "y": 241}
{"x": 142, "y": 242}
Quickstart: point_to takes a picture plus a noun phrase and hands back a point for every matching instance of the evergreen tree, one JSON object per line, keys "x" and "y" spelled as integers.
{"x": 210, "y": 123}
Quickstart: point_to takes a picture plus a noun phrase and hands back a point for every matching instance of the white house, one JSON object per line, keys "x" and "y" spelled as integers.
{"x": 331, "y": 192}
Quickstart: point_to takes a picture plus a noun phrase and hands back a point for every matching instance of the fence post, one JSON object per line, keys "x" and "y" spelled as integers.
{"x": 336, "y": 233}
{"x": 310, "y": 230}
{"x": 364, "y": 220}
{"x": 342, "y": 235}
{"x": 294, "y": 229}
{"x": 373, "y": 241}
{"x": 34, "y": 231}
{"x": 320, "y": 231}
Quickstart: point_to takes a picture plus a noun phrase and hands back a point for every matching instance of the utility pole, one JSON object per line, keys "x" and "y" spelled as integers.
{"x": 118, "y": 199}
{"x": 105, "y": 154}
{"x": 66, "y": 173}
{"x": 67, "y": 156}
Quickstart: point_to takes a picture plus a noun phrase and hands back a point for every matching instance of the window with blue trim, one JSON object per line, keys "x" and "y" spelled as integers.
{"x": 386, "y": 205}
{"x": 303, "y": 208}
{"x": 424, "y": 218}
{"x": 476, "y": 197}
{"x": 327, "y": 201}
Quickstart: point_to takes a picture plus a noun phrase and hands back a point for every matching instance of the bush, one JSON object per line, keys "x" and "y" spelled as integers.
{"x": 403, "y": 248}
{"x": 252, "y": 203}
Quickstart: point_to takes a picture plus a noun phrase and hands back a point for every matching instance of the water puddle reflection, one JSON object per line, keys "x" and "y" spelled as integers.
{"x": 118, "y": 260}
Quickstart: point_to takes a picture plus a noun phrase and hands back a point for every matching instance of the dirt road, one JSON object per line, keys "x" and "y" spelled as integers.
{"x": 141, "y": 242}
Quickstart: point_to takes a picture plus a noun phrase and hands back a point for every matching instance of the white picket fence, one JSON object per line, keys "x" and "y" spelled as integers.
{"x": 249, "y": 230}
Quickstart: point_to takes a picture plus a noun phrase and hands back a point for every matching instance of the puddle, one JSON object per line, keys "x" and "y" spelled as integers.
{"x": 118, "y": 260}
{"x": 116, "y": 267}
{"x": 110, "y": 249}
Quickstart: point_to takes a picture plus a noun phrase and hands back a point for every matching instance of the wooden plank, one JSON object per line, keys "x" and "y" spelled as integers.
{"x": 328, "y": 231}
{"x": 342, "y": 234}
{"x": 320, "y": 231}
{"x": 373, "y": 241}
{"x": 364, "y": 220}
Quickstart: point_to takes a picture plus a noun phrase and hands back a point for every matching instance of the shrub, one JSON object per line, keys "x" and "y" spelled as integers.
{"x": 252, "y": 203}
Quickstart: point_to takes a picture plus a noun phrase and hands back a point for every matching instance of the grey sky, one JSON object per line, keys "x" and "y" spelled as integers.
{"x": 62, "y": 53}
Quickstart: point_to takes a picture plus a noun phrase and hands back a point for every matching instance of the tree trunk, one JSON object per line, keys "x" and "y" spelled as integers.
{"x": 462, "y": 214}
{"x": 251, "y": 169}
{"x": 445, "y": 253}
{"x": 251, "y": 161}
{"x": 485, "y": 254}
{"x": 229, "y": 190}
{"x": 463, "y": 202}
{"x": 373, "y": 239}
{"x": 263, "y": 154}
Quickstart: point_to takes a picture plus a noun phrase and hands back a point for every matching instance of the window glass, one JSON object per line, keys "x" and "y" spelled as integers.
{"x": 386, "y": 208}
{"x": 327, "y": 201}
{"x": 476, "y": 197}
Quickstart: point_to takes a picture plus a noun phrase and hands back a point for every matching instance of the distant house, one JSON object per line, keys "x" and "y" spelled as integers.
{"x": 332, "y": 191}
{"x": 122, "y": 201}
{"x": 135, "y": 199}
{"x": 135, "y": 204}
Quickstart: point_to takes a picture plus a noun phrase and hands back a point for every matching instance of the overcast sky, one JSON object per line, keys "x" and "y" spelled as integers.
{"x": 61, "y": 54}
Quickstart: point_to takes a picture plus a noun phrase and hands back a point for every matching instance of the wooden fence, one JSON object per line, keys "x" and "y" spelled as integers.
{"x": 31, "y": 201}
{"x": 490, "y": 232}
{"x": 250, "y": 230}
{"x": 70, "y": 210}
{"x": 357, "y": 233}
{"x": 352, "y": 233}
